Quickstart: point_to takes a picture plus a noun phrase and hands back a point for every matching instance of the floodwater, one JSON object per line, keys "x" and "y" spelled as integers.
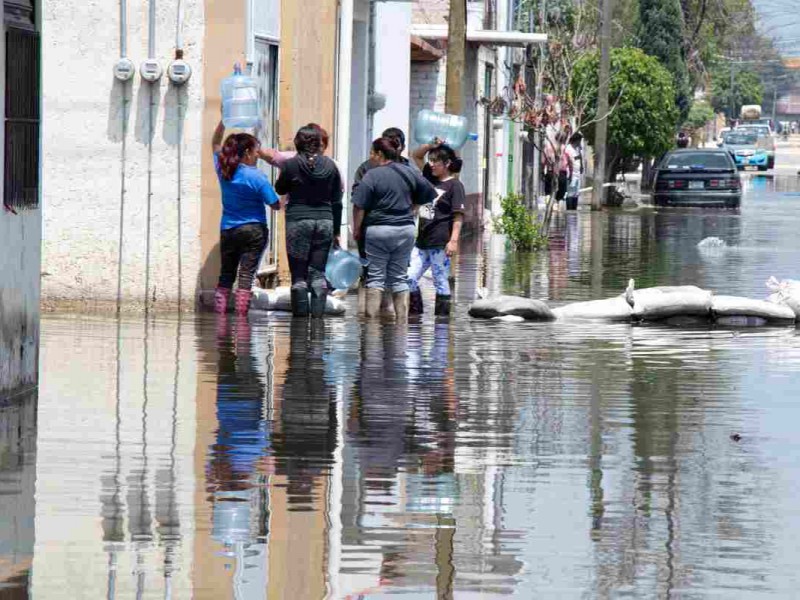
{"x": 195, "y": 458}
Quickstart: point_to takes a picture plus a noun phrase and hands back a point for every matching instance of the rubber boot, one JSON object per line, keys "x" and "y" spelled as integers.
{"x": 299, "y": 300}
{"x": 415, "y": 303}
{"x": 318, "y": 301}
{"x": 401, "y": 301}
{"x": 243, "y": 298}
{"x": 387, "y": 307}
{"x": 362, "y": 300}
{"x": 442, "y": 308}
{"x": 373, "y": 304}
{"x": 221, "y": 298}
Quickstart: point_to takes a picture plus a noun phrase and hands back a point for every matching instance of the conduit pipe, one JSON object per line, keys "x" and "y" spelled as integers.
{"x": 344, "y": 70}
{"x": 151, "y": 56}
{"x": 123, "y": 28}
{"x": 123, "y": 53}
{"x": 179, "y": 29}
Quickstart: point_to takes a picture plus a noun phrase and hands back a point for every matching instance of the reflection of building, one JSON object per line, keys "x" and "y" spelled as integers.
{"x": 20, "y": 215}
{"x": 17, "y": 483}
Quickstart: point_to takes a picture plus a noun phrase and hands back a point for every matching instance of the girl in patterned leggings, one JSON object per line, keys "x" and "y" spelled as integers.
{"x": 439, "y": 225}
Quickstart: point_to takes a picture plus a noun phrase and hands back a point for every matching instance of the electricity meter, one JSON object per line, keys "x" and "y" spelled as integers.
{"x": 179, "y": 72}
{"x": 150, "y": 70}
{"x": 124, "y": 69}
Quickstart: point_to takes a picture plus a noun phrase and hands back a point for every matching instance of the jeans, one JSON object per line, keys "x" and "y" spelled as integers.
{"x": 241, "y": 249}
{"x": 388, "y": 251}
{"x": 439, "y": 263}
{"x": 308, "y": 242}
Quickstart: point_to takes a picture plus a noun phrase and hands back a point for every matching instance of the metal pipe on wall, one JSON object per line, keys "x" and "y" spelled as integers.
{"x": 151, "y": 54}
{"x": 344, "y": 71}
{"x": 179, "y": 28}
{"x": 123, "y": 28}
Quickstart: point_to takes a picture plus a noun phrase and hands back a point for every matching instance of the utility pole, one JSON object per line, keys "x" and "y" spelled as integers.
{"x": 733, "y": 97}
{"x": 601, "y": 129}
{"x": 538, "y": 144}
{"x": 456, "y": 55}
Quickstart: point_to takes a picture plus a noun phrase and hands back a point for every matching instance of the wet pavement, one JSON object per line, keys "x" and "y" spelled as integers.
{"x": 183, "y": 457}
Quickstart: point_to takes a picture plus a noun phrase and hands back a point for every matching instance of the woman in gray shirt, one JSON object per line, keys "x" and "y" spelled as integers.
{"x": 385, "y": 203}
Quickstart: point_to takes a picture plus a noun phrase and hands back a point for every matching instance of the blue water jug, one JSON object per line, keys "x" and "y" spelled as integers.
{"x": 240, "y": 100}
{"x": 343, "y": 268}
{"x": 450, "y": 128}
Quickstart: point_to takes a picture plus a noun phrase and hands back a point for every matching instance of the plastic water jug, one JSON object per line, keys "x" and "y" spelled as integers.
{"x": 343, "y": 268}
{"x": 240, "y": 100}
{"x": 450, "y": 128}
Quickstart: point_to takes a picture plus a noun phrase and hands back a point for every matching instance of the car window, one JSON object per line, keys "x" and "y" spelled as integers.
{"x": 740, "y": 138}
{"x": 697, "y": 160}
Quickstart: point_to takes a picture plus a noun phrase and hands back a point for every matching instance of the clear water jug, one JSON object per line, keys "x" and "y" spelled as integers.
{"x": 343, "y": 268}
{"x": 451, "y": 128}
{"x": 240, "y": 100}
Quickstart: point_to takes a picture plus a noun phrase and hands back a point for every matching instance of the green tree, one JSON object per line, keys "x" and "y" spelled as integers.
{"x": 661, "y": 35}
{"x": 644, "y": 117}
{"x": 747, "y": 89}
{"x": 700, "y": 114}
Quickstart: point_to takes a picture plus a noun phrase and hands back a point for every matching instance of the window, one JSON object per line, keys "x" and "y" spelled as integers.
{"x": 21, "y": 188}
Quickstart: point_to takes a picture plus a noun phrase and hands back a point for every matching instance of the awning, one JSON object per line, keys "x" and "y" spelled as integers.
{"x": 422, "y": 51}
{"x": 481, "y": 36}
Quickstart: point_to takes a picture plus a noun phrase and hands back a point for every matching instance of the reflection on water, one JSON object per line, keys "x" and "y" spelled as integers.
{"x": 278, "y": 458}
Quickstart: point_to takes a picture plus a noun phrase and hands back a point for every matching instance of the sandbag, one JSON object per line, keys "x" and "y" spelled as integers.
{"x": 499, "y": 306}
{"x": 279, "y": 299}
{"x": 786, "y": 292}
{"x": 736, "y": 306}
{"x": 610, "y": 309}
{"x": 663, "y": 302}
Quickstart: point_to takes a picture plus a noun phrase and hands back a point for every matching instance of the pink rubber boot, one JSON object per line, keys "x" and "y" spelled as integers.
{"x": 243, "y": 298}
{"x": 221, "y": 297}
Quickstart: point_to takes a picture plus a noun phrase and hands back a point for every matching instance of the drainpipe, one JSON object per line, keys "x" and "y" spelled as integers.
{"x": 344, "y": 70}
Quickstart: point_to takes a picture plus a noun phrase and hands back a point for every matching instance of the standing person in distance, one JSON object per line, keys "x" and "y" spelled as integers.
{"x": 246, "y": 192}
{"x": 398, "y": 138}
{"x": 575, "y": 152}
{"x": 384, "y": 203}
{"x": 313, "y": 219}
{"x": 439, "y": 225}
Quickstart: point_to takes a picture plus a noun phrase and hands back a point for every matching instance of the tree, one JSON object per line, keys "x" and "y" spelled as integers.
{"x": 699, "y": 115}
{"x": 645, "y": 117}
{"x": 662, "y": 35}
{"x": 747, "y": 89}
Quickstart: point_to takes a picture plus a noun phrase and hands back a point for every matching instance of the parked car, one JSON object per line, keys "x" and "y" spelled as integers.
{"x": 766, "y": 139}
{"x": 743, "y": 145}
{"x": 697, "y": 177}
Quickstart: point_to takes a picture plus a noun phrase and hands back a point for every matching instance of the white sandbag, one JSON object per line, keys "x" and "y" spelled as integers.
{"x": 499, "y": 306}
{"x": 610, "y": 309}
{"x": 671, "y": 301}
{"x": 786, "y": 292}
{"x": 736, "y": 306}
{"x": 509, "y": 319}
{"x": 738, "y": 321}
{"x": 279, "y": 299}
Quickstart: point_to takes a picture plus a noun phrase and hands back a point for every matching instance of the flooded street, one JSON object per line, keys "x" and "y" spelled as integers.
{"x": 183, "y": 457}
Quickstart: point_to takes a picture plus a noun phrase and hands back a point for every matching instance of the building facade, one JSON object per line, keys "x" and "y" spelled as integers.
{"x": 20, "y": 217}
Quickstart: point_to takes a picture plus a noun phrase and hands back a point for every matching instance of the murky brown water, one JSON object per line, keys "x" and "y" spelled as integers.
{"x": 181, "y": 458}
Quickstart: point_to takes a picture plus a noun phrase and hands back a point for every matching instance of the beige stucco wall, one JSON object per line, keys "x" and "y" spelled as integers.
{"x": 84, "y": 110}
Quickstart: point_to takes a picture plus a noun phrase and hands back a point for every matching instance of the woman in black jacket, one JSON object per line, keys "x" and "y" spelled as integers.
{"x": 313, "y": 218}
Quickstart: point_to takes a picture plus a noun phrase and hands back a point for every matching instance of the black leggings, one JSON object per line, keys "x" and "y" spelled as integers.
{"x": 308, "y": 242}
{"x": 241, "y": 248}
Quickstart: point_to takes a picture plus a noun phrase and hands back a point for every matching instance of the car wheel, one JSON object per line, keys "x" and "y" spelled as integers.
{"x": 762, "y": 168}
{"x": 771, "y": 163}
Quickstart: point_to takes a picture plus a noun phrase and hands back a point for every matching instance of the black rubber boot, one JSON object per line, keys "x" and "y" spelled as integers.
{"x": 415, "y": 303}
{"x": 442, "y": 308}
{"x": 299, "y": 298}
{"x": 318, "y": 301}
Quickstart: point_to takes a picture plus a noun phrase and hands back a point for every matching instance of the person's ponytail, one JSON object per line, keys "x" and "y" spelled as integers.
{"x": 234, "y": 148}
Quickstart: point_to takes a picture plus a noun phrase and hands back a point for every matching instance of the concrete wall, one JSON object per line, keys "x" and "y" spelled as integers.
{"x": 21, "y": 236}
{"x": 94, "y": 229}
{"x": 393, "y": 55}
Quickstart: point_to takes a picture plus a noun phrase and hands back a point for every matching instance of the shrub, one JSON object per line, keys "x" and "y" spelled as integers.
{"x": 517, "y": 223}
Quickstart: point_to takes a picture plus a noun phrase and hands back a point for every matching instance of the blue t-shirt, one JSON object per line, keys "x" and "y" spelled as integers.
{"x": 245, "y": 196}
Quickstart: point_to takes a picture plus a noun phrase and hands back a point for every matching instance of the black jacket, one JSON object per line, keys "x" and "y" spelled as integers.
{"x": 314, "y": 186}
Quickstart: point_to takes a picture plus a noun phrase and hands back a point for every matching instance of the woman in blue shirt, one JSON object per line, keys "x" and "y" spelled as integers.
{"x": 246, "y": 192}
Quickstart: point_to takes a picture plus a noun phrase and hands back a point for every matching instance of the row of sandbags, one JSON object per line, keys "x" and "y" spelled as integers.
{"x": 655, "y": 304}
{"x": 279, "y": 299}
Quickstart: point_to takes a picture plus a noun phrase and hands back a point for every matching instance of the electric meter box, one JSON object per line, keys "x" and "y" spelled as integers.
{"x": 124, "y": 69}
{"x": 151, "y": 70}
{"x": 179, "y": 72}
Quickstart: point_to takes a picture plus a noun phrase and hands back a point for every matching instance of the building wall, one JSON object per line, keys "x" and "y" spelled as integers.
{"x": 393, "y": 55}
{"x": 21, "y": 236}
{"x": 97, "y": 227}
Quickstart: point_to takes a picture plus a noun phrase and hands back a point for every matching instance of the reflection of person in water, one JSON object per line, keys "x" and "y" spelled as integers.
{"x": 305, "y": 437}
{"x": 243, "y": 440}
